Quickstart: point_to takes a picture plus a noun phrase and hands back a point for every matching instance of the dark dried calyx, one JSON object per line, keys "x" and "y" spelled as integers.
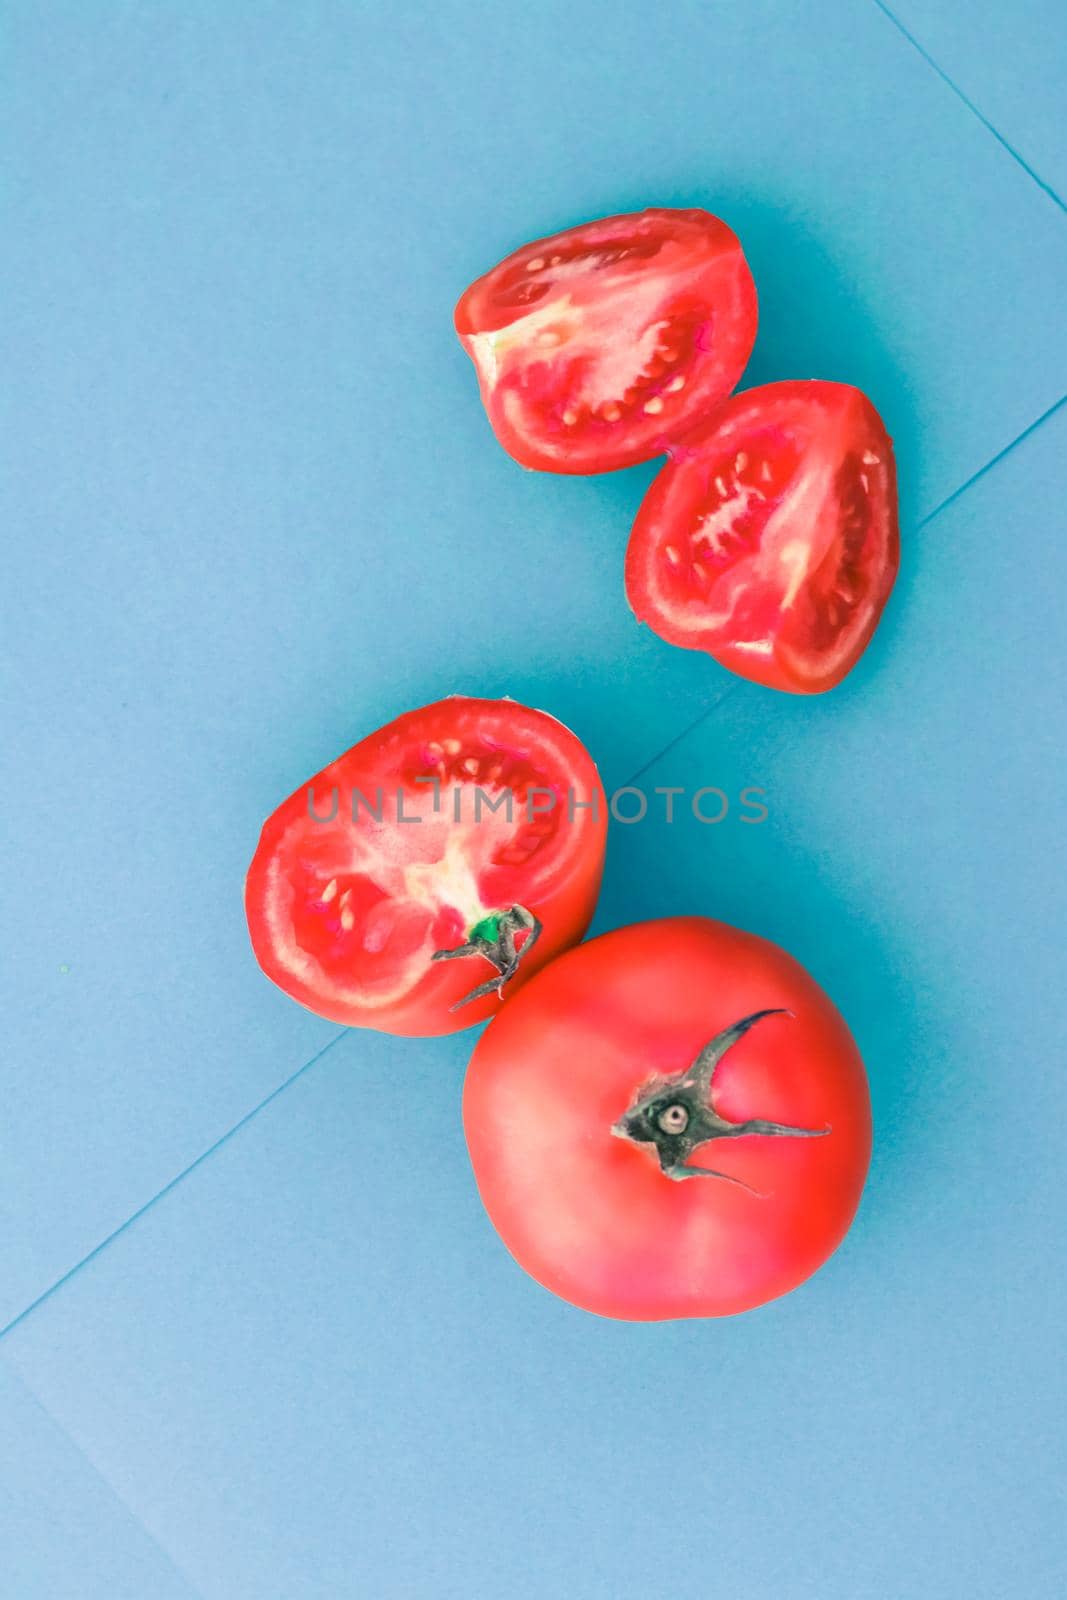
{"x": 677, "y": 1114}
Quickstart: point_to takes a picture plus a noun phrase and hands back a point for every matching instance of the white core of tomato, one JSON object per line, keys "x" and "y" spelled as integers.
{"x": 448, "y": 882}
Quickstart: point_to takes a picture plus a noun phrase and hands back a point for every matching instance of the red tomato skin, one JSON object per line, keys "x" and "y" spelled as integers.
{"x": 701, "y": 260}
{"x": 777, "y": 668}
{"x": 564, "y": 904}
{"x": 590, "y": 1216}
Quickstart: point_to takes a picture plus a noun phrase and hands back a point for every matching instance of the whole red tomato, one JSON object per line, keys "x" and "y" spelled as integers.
{"x": 770, "y": 540}
{"x": 670, "y": 1121}
{"x": 431, "y": 869}
{"x": 598, "y": 346}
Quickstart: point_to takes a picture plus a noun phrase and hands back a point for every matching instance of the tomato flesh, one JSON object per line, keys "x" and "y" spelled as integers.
{"x": 594, "y": 1216}
{"x": 597, "y": 347}
{"x": 420, "y": 837}
{"x": 771, "y": 540}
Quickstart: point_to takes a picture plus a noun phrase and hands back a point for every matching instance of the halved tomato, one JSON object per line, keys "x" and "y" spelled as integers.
{"x": 597, "y": 347}
{"x": 430, "y": 869}
{"x": 770, "y": 540}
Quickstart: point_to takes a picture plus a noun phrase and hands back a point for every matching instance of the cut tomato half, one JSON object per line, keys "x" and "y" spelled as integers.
{"x": 770, "y": 540}
{"x": 427, "y": 872}
{"x": 597, "y": 347}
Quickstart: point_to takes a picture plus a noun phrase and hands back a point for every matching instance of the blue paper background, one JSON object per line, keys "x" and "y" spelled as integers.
{"x": 253, "y": 510}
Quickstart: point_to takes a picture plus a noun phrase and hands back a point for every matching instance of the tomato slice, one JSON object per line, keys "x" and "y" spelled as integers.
{"x": 431, "y": 869}
{"x": 770, "y": 540}
{"x": 597, "y": 347}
